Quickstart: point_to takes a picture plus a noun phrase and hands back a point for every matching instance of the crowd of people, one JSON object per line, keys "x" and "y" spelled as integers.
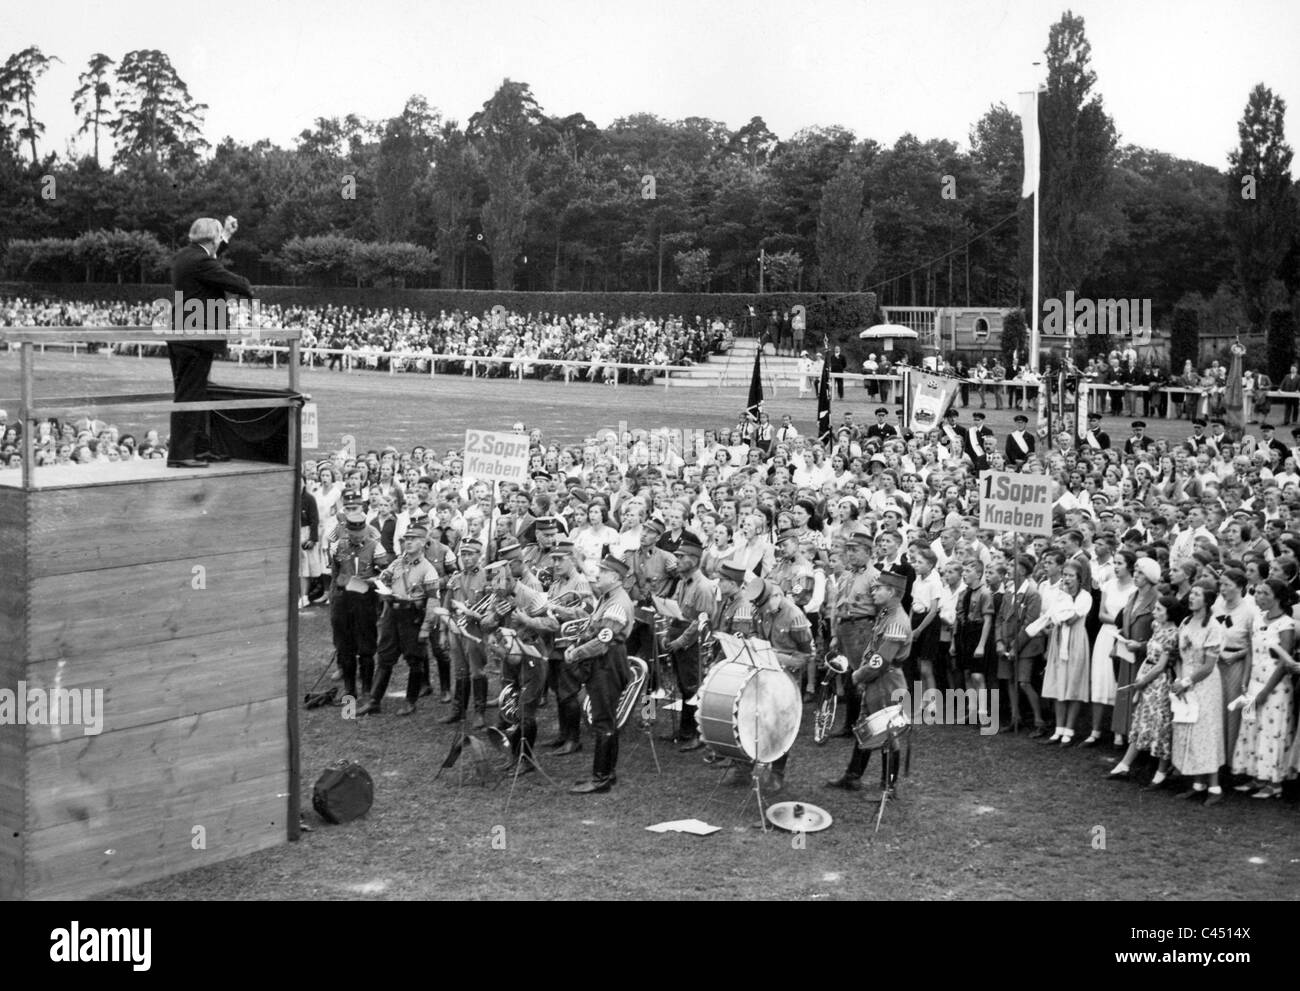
{"x": 493, "y": 343}
{"x": 1159, "y": 619}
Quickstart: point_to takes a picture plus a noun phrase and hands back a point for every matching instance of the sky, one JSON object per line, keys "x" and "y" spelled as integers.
{"x": 1174, "y": 76}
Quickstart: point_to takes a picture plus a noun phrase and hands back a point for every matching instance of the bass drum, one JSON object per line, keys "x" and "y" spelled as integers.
{"x": 749, "y": 713}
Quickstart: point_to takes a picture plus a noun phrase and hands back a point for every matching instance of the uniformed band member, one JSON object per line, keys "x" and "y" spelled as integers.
{"x": 434, "y": 632}
{"x": 735, "y": 613}
{"x": 523, "y": 676}
{"x": 783, "y": 625}
{"x": 569, "y": 581}
{"x": 878, "y": 673}
{"x": 356, "y": 556}
{"x": 466, "y": 636}
{"x": 651, "y": 569}
{"x": 537, "y": 555}
{"x": 854, "y": 611}
{"x": 600, "y": 662}
{"x": 695, "y": 595}
{"x": 413, "y": 581}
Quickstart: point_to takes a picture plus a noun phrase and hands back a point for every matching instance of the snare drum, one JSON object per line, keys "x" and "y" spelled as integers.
{"x": 749, "y": 713}
{"x": 877, "y": 729}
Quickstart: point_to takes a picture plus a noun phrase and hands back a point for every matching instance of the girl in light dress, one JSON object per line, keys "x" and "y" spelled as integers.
{"x": 1264, "y": 738}
{"x": 1115, "y": 593}
{"x": 1198, "y": 745}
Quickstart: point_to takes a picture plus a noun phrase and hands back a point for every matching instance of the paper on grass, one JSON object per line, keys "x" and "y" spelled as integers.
{"x": 693, "y": 826}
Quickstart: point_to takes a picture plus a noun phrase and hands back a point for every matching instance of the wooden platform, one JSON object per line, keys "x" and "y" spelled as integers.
{"x": 166, "y": 592}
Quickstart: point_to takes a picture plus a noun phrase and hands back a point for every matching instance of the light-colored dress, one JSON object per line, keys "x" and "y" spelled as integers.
{"x": 1263, "y": 740}
{"x": 1114, "y": 597}
{"x": 1152, "y": 727}
{"x": 1198, "y": 746}
{"x": 1066, "y": 677}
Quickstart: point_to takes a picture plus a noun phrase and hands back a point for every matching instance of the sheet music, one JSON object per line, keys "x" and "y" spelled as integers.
{"x": 669, "y": 608}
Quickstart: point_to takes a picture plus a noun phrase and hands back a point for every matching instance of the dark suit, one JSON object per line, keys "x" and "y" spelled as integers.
{"x": 1019, "y": 450}
{"x": 972, "y": 441}
{"x": 196, "y": 275}
{"x": 1132, "y": 442}
{"x": 839, "y": 364}
{"x": 1103, "y": 440}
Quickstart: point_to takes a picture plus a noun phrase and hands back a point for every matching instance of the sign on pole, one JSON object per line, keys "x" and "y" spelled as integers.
{"x": 496, "y": 456}
{"x": 1015, "y": 503}
{"x": 310, "y": 427}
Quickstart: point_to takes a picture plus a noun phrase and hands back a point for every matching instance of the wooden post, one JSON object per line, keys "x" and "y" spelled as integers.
{"x": 29, "y": 428}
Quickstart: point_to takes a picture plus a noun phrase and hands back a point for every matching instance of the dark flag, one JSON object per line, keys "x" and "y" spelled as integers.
{"x": 824, "y": 401}
{"x": 755, "y": 403}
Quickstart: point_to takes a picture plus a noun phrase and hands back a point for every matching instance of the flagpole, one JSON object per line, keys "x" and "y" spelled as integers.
{"x": 1034, "y": 343}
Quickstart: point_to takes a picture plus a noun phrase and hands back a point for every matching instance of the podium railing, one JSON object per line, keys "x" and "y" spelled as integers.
{"x": 30, "y": 411}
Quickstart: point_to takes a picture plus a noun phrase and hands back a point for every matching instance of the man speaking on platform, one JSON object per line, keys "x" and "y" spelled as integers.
{"x": 197, "y": 275}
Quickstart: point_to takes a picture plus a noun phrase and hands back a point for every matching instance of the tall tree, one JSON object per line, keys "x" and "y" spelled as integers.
{"x": 1077, "y": 155}
{"x": 398, "y": 169}
{"x": 754, "y": 143}
{"x": 846, "y": 238}
{"x": 1261, "y": 208}
{"x": 90, "y": 101}
{"x": 505, "y": 129}
{"x": 158, "y": 121}
{"x": 452, "y": 180}
{"x": 17, "y": 85}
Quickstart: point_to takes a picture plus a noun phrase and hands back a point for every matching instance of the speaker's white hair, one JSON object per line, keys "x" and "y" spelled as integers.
{"x": 206, "y": 229}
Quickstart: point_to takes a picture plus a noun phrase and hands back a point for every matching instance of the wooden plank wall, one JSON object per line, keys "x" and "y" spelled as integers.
{"x": 169, "y": 597}
{"x": 13, "y": 638}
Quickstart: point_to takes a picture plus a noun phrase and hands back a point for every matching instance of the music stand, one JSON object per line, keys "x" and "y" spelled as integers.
{"x": 887, "y": 752}
{"x": 526, "y": 751}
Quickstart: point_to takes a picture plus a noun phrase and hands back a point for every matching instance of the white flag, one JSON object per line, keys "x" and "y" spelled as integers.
{"x": 1029, "y": 134}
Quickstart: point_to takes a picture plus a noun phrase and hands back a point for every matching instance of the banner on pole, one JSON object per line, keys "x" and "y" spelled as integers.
{"x": 496, "y": 456}
{"x": 309, "y": 427}
{"x": 1014, "y": 503}
{"x": 931, "y": 397}
{"x": 1081, "y": 409}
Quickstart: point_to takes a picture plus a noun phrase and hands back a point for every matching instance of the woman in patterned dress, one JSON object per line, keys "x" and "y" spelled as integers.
{"x": 1261, "y": 750}
{"x": 1198, "y": 746}
{"x": 1152, "y": 726}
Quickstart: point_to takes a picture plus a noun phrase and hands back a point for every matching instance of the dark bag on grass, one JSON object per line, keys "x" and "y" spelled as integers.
{"x": 343, "y": 793}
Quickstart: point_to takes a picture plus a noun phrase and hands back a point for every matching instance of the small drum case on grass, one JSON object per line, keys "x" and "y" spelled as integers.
{"x": 343, "y": 793}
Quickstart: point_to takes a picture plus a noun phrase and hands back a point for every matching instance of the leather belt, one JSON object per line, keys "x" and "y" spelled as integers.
{"x": 856, "y": 619}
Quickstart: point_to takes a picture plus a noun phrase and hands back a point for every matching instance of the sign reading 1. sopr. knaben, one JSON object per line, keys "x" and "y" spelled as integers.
{"x": 496, "y": 457}
{"x": 1012, "y": 503}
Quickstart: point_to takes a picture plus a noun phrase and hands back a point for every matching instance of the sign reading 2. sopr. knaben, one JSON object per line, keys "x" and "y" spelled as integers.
{"x": 1013, "y": 503}
{"x": 496, "y": 457}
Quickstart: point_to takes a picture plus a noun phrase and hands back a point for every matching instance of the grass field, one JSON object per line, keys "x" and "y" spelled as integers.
{"x": 980, "y": 817}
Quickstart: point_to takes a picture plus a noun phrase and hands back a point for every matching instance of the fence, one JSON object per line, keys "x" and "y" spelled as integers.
{"x": 1009, "y": 392}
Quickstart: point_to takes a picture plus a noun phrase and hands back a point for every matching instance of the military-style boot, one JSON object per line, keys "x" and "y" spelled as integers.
{"x": 480, "y": 701}
{"x": 460, "y": 703}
